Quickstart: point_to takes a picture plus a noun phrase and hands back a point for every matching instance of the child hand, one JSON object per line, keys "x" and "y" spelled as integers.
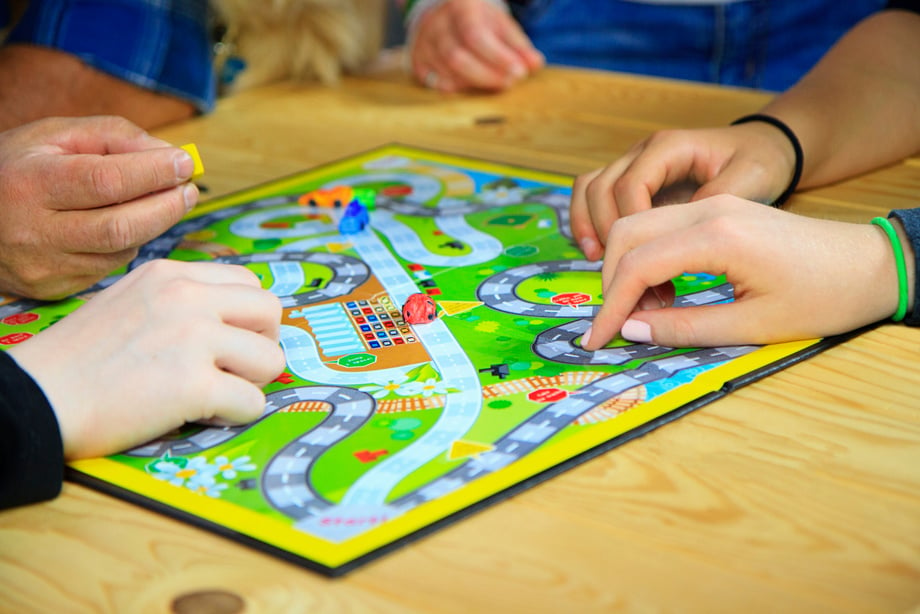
{"x": 794, "y": 277}
{"x": 752, "y": 160}
{"x": 170, "y": 343}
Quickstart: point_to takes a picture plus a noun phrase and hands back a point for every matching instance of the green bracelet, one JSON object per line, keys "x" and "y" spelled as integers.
{"x": 885, "y": 225}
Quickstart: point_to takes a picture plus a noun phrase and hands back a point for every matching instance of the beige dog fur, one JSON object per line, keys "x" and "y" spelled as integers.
{"x": 302, "y": 40}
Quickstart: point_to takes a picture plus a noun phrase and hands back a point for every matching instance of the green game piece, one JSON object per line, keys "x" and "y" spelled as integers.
{"x": 366, "y": 197}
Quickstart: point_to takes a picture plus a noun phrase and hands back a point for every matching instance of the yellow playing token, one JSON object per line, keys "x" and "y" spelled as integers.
{"x": 196, "y": 158}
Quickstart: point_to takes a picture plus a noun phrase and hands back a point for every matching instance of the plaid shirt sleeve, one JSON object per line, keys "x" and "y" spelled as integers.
{"x": 160, "y": 45}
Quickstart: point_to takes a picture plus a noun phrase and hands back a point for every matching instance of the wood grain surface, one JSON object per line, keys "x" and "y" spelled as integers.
{"x": 798, "y": 493}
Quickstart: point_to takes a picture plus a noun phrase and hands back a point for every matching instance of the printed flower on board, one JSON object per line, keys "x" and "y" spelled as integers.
{"x": 228, "y": 469}
{"x": 177, "y": 471}
{"x": 381, "y": 389}
{"x": 426, "y": 388}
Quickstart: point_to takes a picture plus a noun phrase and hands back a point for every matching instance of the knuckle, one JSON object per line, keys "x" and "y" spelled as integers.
{"x": 33, "y": 276}
{"x": 724, "y": 230}
{"x": 249, "y": 276}
{"x": 242, "y": 274}
{"x": 682, "y": 331}
{"x": 629, "y": 265}
{"x": 666, "y": 136}
{"x": 108, "y": 182}
{"x": 618, "y": 232}
{"x": 469, "y": 32}
{"x": 274, "y": 304}
{"x": 120, "y": 125}
{"x": 596, "y": 190}
{"x": 625, "y": 185}
{"x": 454, "y": 58}
{"x": 274, "y": 363}
{"x": 118, "y": 234}
{"x": 165, "y": 281}
{"x": 184, "y": 298}
{"x": 159, "y": 268}
{"x": 581, "y": 182}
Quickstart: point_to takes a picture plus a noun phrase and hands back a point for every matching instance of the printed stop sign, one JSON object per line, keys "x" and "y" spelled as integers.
{"x": 20, "y": 318}
{"x": 547, "y": 395}
{"x": 571, "y": 298}
{"x": 14, "y": 338}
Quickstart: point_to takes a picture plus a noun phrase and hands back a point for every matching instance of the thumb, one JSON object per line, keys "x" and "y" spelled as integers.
{"x": 705, "y": 326}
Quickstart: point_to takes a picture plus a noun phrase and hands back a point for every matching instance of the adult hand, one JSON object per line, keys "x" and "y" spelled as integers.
{"x": 752, "y": 160}
{"x": 794, "y": 277}
{"x": 171, "y": 342}
{"x": 79, "y": 196}
{"x": 470, "y": 44}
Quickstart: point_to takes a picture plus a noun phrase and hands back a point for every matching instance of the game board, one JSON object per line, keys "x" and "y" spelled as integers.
{"x": 379, "y": 431}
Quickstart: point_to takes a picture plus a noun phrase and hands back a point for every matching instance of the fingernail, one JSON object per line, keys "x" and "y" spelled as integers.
{"x": 190, "y": 196}
{"x": 636, "y": 331}
{"x": 586, "y": 337}
{"x": 518, "y": 71}
{"x": 648, "y": 302}
{"x": 588, "y": 246}
{"x": 184, "y": 165}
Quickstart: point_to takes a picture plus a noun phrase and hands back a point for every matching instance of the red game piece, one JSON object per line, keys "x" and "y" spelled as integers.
{"x": 419, "y": 309}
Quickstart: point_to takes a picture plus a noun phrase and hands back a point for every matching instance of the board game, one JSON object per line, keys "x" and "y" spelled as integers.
{"x": 381, "y": 430}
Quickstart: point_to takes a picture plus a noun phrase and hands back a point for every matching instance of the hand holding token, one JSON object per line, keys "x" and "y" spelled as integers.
{"x": 79, "y": 196}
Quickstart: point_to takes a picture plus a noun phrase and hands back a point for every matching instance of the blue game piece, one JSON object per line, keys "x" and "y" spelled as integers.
{"x": 354, "y": 219}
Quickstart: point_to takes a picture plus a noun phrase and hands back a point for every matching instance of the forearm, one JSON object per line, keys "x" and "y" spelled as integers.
{"x": 859, "y": 108}
{"x": 38, "y": 82}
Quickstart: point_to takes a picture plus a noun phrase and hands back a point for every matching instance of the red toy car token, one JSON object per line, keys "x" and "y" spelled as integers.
{"x": 419, "y": 309}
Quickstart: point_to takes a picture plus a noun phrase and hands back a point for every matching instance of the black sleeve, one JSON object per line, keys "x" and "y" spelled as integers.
{"x": 31, "y": 450}
{"x": 907, "y": 5}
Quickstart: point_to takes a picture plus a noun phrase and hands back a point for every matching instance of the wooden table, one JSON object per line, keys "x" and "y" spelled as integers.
{"x": 800, "y": 493}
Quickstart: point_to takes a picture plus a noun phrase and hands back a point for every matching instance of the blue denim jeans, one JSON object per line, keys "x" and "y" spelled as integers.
{"x": 765, "y": 44}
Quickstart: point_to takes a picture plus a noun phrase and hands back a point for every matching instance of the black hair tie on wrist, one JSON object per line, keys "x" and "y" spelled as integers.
{"x": 796, "y": 147}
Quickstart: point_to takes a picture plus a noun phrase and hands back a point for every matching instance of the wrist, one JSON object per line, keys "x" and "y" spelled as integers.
{"x": 903, "y": 289}
{"x": 910, "y": 260}
{"x": 794, "y": 155}
{"x": 906, "y": 223}
{"x": 35, "y": 364}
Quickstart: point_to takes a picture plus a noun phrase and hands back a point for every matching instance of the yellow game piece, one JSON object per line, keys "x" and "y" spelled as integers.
{"x": 196, "y": 158}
